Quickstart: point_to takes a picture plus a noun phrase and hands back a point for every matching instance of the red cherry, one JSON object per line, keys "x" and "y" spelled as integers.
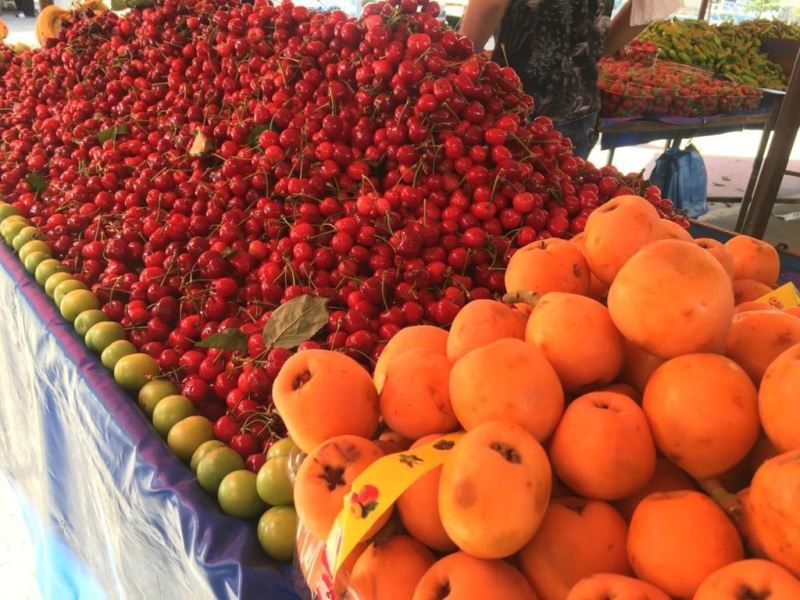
{"x": 255, "y": 461}
{"x": 225, "y": 428}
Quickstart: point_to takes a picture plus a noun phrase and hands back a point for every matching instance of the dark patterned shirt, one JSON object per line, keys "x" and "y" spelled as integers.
{"x": 554, "y": 46}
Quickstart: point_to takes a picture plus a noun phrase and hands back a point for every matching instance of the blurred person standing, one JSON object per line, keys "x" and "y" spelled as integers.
{"x": 554, "y": 46}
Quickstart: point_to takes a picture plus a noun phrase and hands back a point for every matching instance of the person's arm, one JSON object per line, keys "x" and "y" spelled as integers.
{"x": 481, "y": 19}
{"x": 620, "y": 32}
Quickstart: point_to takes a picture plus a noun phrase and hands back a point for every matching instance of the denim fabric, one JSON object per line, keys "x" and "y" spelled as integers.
{"x": 583, "y": 133}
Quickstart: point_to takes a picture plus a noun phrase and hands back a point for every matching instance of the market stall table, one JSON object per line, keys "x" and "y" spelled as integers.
{"x": 112, "y": 510}
{"x": 619, "y": 132}
{"x": 757, "y": 205}
{"x": 631, "y": 132}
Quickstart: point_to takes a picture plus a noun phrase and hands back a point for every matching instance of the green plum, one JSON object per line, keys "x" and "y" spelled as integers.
{"x": 132, "y": 371}
{"x": 88, "y": 319}
{"x": 273, "y": 483}
{"x": 47, "y": 268}
{"x": 214, "y": 466}
{"x": 11, "y": 226}
{"x": 33, "y": 246}
{"x": 25, "y": 235}
{"x": 76, "y": 302}
{"x": 171, "y": 410}
{"x": 54, "y": 280}
{"x": 238, "y": 497}
{"x": 202, "y": 451}
{"x": 187, "y": 434}
{"x": 101, "y": 335}
{"x": 7, "y": 210}
{"x": 280, "y": 448}
{"x": 114, "y": 351}
{"x": 152, "y": 392}
{"x": 277, "y": 532}
{"x": 32, "y": 260}
{"x": 65, "y": 287}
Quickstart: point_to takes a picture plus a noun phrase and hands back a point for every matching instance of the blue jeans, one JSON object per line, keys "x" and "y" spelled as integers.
{"x": 583, "y": 133}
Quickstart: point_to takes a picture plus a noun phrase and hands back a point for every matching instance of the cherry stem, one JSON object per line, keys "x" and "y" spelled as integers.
{"x": 522, "y": 297}
{"x": 727, "y": 501}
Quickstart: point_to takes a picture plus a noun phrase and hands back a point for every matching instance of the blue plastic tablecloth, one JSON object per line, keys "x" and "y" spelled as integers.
{"x": 112, "y": 512}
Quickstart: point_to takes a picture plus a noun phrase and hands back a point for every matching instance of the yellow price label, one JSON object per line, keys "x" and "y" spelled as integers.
{"x": 375, "y": 491}
{"x": 785, "y": 296}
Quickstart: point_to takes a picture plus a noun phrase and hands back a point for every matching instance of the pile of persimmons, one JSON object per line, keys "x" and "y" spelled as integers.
{"x": 632, "y": 420}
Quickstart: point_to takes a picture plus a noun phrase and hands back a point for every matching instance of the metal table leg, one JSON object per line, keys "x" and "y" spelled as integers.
{"x": 772, "y": 171}
{"x": 611, "y": 154}
{"x": 769, "y": 125}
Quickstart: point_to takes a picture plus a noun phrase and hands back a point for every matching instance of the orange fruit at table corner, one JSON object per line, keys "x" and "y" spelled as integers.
{"x": 674, "y": 231}
{"x": 602, "y": 448}
{"x": 666, "y": 478}
{"x": 603, "y": 586}
{"x": 685, "y": 402}
{"x": 753, "y": 578}
{"x": 778, "y": 401}
{"x": 747, "y": 290}
{"x": 577, "y": 537}
{"x": 718, "y": 250}
{"x": 320, "y": 394}
{"x": 677, "y": 539}
{"x": 578, "y": 338}
{"x": 507, "y": 380}
{"x": 494, "y": 489}
{"x": 754, "y": 259}
{"x": 390, "y": 569}
{"x": 325, "y": 477}
{"x": 793, "y": 310}
{"x": 758, "y": 337}
{"x": 597, "y": 289}
{"x": 617, "y": 230}
{"x": 637, "y": 366}
{"x": 418, "y": 507}
{"x": 459, "y": 576}
{"x": 415, "y": 399}
{"x": 419, "y": 337}
{"x": 774, "y": 497}
{"x": 481, "y": 322}
{"x": 672, "y": 298}
{"x": 551, "y": 265}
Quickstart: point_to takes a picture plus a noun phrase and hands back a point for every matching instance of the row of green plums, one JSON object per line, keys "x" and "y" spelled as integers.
{"x": 219, "y": 469}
